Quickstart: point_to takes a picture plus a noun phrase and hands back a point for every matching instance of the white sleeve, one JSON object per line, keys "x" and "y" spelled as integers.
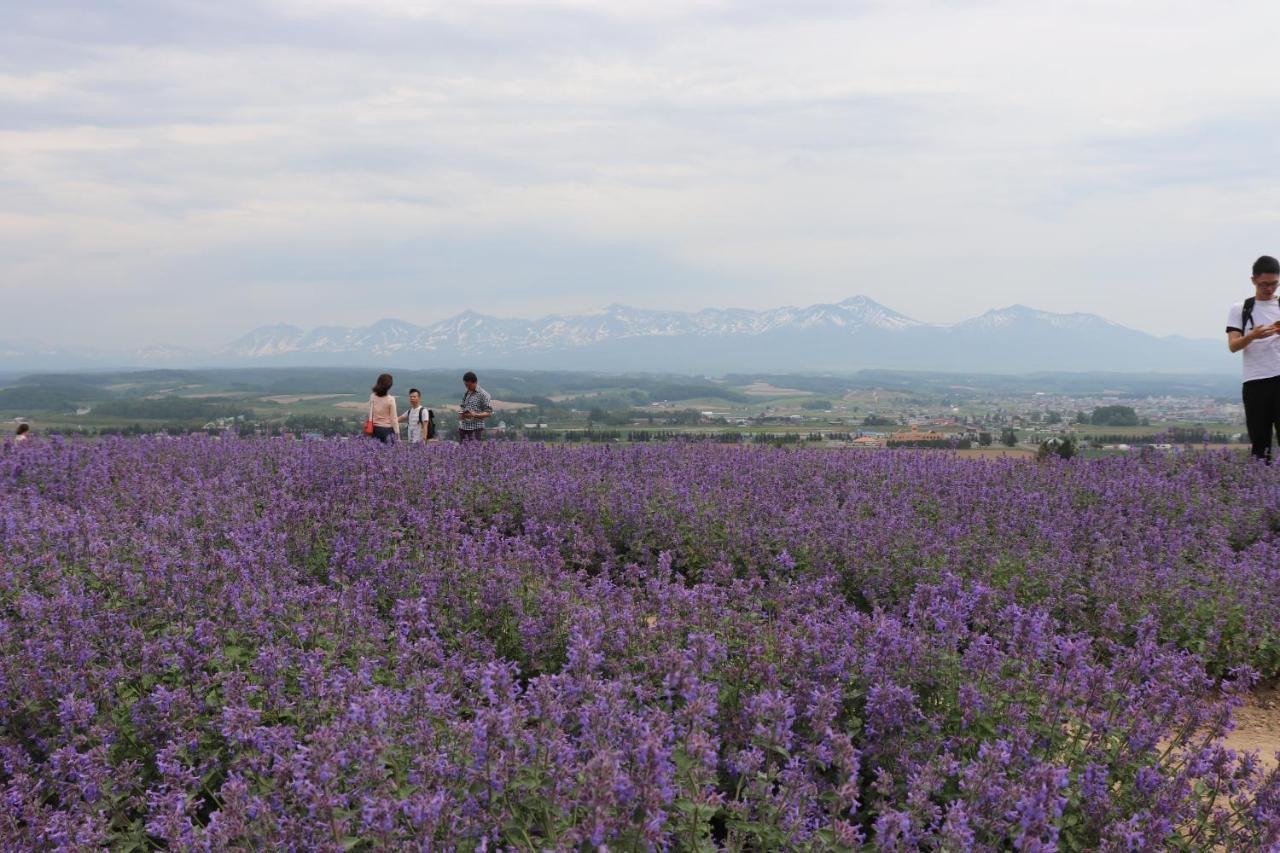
{"x": 1234, "y": 317}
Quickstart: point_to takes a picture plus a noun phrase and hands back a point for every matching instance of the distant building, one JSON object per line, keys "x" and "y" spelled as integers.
{"x": 917, "y": 435}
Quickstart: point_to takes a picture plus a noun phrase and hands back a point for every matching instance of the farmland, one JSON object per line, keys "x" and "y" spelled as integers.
{"x": 335, "y": 645}
{"x": 960, "y": 410}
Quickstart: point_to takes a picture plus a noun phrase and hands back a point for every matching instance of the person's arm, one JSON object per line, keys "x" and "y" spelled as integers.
{"x": 486, "y": 406}
{"x": 1235, "y": 328}
{"x": 1237, "y": 341}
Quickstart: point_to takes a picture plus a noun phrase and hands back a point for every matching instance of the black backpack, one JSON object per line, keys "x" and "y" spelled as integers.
{"x": 1246, "y": 314}
{"x": 431, "y": 421}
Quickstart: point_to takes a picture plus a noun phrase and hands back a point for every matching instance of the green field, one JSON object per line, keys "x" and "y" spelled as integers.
{"x": 330, "y": 401}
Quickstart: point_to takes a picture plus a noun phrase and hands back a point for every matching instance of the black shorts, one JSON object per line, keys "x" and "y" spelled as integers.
{"x": 384, "y": 434}
{"x": 470, "y": 434}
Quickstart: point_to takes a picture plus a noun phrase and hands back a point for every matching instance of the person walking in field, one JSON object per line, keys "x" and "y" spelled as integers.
{"x": 1253, "y": 327}
{"x": 476, "y": 406}
{"x": 382, "y": 410}
{"x": 420, "y": 420}
{"x": 23, "y": 432}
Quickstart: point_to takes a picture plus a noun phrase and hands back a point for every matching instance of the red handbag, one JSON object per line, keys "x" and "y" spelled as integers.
{"x": 368, "y": 423}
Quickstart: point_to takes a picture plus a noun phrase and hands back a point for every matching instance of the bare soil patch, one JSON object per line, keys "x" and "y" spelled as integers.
{"x": 498, "y": 405}
{"x": 287, "y": 399}
{"x": 764, "y": 389}
{"x": 1258, "y": 724}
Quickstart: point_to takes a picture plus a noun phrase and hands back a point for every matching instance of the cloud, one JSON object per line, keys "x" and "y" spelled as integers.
{"x": 224, "y": 160}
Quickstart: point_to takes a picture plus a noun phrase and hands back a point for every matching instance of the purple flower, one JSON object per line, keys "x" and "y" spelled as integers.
{"x": 249, "y": 644}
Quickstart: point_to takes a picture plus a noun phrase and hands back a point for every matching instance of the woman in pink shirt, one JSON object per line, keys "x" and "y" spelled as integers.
{"x": 382, "y": 410}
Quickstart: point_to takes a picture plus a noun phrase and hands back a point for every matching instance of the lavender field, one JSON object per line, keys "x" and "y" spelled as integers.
{"x": 340, "y": 646}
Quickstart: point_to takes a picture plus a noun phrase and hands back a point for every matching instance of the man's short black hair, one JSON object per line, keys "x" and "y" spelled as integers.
{"x": 471, "y": 377}
{"x": 1266, "y": 265}
{"x": 415, "y": 391}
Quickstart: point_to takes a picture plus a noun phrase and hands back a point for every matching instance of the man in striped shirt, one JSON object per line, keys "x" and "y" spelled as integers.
{"x": 476, "y": 406}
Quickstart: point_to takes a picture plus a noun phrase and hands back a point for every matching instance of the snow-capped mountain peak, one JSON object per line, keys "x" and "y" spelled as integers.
{"x": 1022, "y": 315}
{"x": 854, "y": 333}
{"x": 471, "y": 333}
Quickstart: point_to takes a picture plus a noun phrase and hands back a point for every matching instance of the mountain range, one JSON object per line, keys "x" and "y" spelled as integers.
{"x": 855, "y": 334}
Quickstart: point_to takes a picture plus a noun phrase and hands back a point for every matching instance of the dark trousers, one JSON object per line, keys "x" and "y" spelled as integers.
{"x": 1262, "y": 414}
{"x": 476, "y": 434}
{"x": 384, "y": 434}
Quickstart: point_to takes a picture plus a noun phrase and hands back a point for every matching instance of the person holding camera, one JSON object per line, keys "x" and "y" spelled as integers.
{"x": 1252, "y": 328}
{"x": 475, "y": 408}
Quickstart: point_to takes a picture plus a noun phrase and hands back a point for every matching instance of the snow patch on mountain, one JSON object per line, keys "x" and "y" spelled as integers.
{"x": 471, "y": 333}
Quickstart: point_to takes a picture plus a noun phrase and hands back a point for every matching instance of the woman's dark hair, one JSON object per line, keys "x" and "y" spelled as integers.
{"x": 22, "y": 428}
{"x": 383, "y": 385}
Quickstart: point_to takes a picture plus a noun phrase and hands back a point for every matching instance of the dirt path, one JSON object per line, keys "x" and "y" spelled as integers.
{"x": 1258, "y": 724}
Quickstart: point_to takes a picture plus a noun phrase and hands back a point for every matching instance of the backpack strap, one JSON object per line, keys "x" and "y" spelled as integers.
{"x": 1246, "y": 313}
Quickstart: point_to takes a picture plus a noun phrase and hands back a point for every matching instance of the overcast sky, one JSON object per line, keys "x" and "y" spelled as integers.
{"x": 177, "y": 171}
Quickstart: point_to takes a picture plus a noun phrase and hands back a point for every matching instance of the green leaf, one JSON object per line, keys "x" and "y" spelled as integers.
{"x": 698, "y": 811}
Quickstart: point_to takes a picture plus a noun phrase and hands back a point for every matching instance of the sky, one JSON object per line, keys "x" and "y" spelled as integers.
{"x": 180, "y": 172}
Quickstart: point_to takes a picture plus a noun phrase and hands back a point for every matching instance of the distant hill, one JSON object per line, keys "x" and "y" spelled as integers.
{"x": 855, "y": 334}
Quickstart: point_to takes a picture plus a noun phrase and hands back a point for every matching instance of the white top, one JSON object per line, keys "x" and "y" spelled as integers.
{"x": 418, "y": 431}
{"x": 1262, "y": 357}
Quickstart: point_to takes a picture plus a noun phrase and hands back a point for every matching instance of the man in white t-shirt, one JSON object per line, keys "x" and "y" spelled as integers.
{"x": 419, "y": 418}
{"x": 1254, "y": 327}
